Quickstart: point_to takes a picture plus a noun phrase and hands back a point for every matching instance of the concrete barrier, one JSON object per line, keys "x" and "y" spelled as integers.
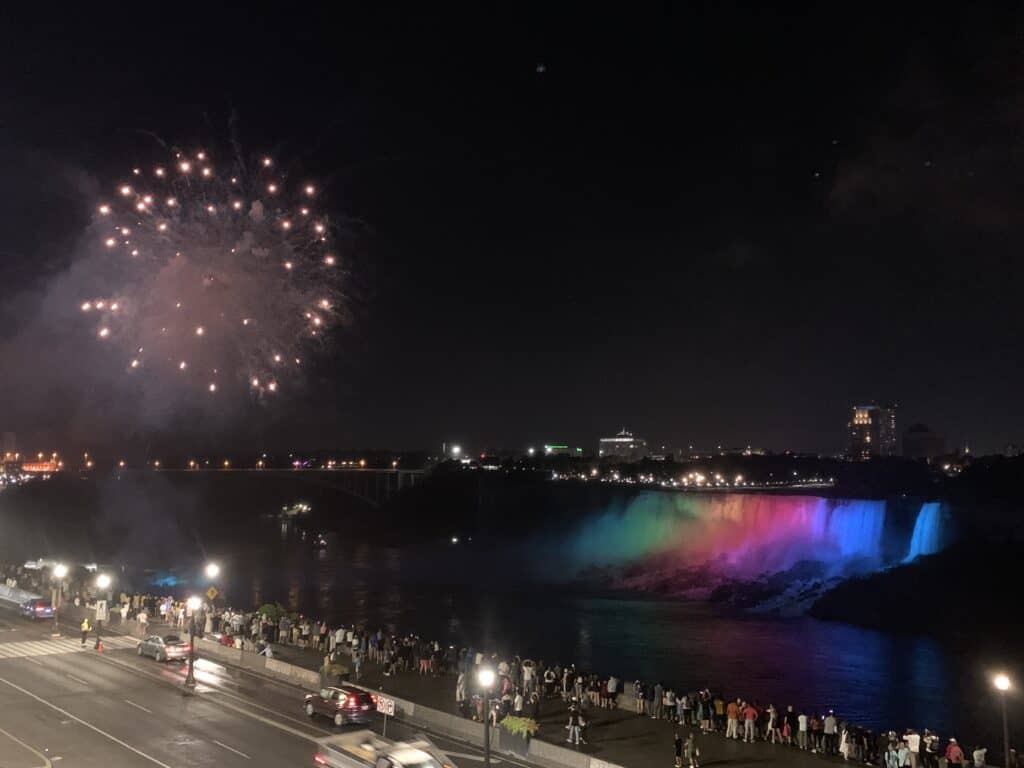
{"x": 471, "y": 732}
{"x": 433, "y": 720}
{"x": 549, "y": 754}
{"x": 290, "y": 673}
{"x": 15, "y": 595}
{"x": 211, "y": 650}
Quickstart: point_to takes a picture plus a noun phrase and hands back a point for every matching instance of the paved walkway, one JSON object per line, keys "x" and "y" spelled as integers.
{"x": 614, "y": 735}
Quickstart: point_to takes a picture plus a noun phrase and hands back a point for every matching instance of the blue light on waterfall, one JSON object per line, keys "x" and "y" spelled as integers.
{"x": 927, "y": 536}
{"x": 855, "y": 527}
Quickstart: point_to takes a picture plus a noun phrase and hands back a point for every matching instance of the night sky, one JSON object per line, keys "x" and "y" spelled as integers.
{"x": 707, "y": 224}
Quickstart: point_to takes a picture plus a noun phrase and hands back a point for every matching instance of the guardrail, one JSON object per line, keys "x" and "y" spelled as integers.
{"x": 436, "y": 721}
{"x": 443, "y": 723}
{"x": 15, "y": 595}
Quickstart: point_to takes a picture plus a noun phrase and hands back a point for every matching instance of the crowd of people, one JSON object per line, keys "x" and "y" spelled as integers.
{"x": 522, "y": 686}
{"x": 824, "y": 733}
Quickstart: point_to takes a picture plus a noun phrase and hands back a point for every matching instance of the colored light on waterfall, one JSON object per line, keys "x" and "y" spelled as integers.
{"x": 743, "y": 535}
{"x": 927, "y": 536}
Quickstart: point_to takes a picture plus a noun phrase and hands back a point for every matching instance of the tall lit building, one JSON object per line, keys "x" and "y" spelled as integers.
{"x": 624, "y": 446}
{"x": 872, "y": 431}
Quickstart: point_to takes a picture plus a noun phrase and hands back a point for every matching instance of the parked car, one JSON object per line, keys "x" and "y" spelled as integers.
{"x": 343, "y": 704}
{"x": 37, "y": 608}
{"x": 166, "y": 648}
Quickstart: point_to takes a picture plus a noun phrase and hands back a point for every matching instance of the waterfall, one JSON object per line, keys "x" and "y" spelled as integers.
{"x": 855, "y": 528}
{"x": 927, "y": 535}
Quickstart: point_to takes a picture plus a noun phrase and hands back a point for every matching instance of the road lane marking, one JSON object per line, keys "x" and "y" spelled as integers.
{"x": 277, "y": 713}
{"x": 38, "y": 663}
{"x": 78, "y": 680}
{"x": 268, "y": 721}
{"x": 138, "y": 706}
{"x": 20, "y": 743}
{"x": 210, "y": 691}
{"x": 467, "y": 756}
{"x": 87, "y": 724}
{"x": 231, "y": 749}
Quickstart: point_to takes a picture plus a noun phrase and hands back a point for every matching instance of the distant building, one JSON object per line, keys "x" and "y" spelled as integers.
{"x": 40, "y": 467}
{"x": 919, "y": 442}
{"x": 557, "y": 449}
{"x": 872, "y": 431}
{"x": 623, "y": 446}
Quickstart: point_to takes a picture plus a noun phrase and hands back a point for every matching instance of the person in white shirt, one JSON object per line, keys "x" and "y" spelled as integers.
{"x": 979, "y": 757}
{"x": 913, "y": 739}
{"x": 802, "y": 730}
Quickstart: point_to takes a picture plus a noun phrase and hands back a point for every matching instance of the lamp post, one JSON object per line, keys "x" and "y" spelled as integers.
{"x": 193, "y": 606}
{"x": 59, "y": 572}
{"x": 1002, "y": 684}
{"x": 485, "y": 677}
{"x": 102, "y": 584}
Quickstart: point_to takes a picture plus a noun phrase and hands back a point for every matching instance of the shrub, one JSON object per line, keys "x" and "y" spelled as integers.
{"x": 520, "y": 726}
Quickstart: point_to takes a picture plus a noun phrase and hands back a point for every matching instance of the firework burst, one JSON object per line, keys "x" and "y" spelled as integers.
{"x": 225, "y": 274}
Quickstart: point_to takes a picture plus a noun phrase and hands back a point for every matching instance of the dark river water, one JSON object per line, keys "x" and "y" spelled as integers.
{"x": 881, "y": 680}
{"x": 459, "y": 594}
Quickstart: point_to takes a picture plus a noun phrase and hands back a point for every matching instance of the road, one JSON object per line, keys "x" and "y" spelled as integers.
{"x": 65, "y": 706}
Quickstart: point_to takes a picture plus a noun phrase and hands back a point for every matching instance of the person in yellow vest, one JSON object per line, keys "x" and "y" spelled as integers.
{"x": 85, "y": 629}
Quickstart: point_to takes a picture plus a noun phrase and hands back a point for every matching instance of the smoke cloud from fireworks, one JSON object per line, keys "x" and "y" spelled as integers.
{"x": 202, "y": 284}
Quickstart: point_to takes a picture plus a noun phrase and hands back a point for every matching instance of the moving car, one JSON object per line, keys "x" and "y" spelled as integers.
{"x": 37, "y": 608}
{"x": 365, "y": 749}
{"x": 166, "y": 648}
{"x": 343, "y": 704}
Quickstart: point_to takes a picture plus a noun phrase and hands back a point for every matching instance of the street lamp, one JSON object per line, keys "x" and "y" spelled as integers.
{"x": 485, "y": 676}
{"x": 59, "y": 572}
{"x": 102, "y": 584}
{"x": 212, "y": 570}
{"x": 193, "y": 606}
{"x": 1002, "y": 684}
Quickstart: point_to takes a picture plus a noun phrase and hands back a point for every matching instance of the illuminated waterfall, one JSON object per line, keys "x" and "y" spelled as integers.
{"x": 746, "y": 535}
{"x": 927, "y": 535}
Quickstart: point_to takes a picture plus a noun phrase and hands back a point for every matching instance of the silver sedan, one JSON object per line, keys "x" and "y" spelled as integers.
{"x": 166, "y": 648}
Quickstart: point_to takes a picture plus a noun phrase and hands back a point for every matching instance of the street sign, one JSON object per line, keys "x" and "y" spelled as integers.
{"x": 212, "y": 593}
{"x": 101, "y": 610}
{"x": 385, "y": 705}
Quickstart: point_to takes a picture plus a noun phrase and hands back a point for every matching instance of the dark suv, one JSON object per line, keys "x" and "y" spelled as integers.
{"x": 343, "y": 704}
{"x": 37, "y": 608}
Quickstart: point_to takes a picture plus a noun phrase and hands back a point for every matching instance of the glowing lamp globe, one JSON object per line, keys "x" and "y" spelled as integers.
{"x": 212, "y": 571}
{"x": 194, "y": 603}
{"x": 103, "y": 581}
{"x": 60, "y": 570}
{"x": 1002, "y": 682}
{"x": 486, "y": 677}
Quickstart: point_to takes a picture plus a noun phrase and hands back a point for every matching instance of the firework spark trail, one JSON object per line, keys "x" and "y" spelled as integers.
{"x": 225, "y": 275}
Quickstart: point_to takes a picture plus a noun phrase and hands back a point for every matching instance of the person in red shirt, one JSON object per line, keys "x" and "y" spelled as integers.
{"x": 749, "y": 718}
{"x": 732, "y": 712}
{"x": 954, "y": 755}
